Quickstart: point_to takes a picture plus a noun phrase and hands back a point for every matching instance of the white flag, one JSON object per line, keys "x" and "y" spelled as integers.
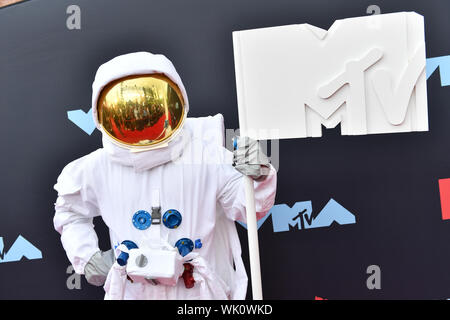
{"x": 366, "y": 73}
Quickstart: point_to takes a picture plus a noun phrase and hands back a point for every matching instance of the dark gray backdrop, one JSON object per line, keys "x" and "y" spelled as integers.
{"x": 388, "y": 181}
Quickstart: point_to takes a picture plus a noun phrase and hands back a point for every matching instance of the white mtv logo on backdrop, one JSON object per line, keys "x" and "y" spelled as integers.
{"x": 366, "y": 73}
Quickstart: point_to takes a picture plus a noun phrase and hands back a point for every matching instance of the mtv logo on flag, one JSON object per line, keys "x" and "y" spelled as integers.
{"x": 366, "y": 73}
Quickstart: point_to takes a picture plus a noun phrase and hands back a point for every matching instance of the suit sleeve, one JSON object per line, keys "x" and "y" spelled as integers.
{"x": 75, "y": 209}
{"x": 231, "y": 192}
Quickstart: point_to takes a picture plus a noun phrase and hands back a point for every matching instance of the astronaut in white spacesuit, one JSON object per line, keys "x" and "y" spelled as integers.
{"x": 164, "y": 185}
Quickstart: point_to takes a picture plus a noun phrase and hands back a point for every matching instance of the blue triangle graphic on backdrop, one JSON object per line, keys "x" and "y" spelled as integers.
{"x": 82, "y": 119}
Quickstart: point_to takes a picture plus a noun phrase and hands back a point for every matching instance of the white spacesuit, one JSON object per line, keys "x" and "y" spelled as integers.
{"x": 183, "y": 171}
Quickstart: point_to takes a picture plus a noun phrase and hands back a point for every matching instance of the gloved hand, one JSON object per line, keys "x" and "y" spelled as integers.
{"x": 98, "y": 267}
{"x": 249, "y": 159}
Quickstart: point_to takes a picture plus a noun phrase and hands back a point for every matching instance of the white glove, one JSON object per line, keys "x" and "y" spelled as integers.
{"x": 249, "y": 159}
{"x": 98, "y": 267}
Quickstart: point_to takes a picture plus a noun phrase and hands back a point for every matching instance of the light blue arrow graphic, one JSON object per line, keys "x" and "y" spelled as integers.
{"x": 284, "y": 216}
{"x": 444, "y": 68}
{"x": 2, "y": 254}
{"x": 259, "y": 223}
{"x": 21, "y": 248}
{"x": 332, "y": 212}
{"x": 299, "y": 216}
{"x": 82, "y": 119}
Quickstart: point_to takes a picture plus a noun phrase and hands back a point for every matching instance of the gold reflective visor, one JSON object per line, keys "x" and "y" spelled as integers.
{"x": 141, "y": 110}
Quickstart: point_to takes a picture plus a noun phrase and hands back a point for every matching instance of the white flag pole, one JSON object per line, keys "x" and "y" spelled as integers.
{"x": 252, "y": 232}
{"x": 252, "y": 228}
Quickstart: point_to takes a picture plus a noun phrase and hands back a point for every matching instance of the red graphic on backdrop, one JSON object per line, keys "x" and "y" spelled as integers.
{"x": 444, "y": 190}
